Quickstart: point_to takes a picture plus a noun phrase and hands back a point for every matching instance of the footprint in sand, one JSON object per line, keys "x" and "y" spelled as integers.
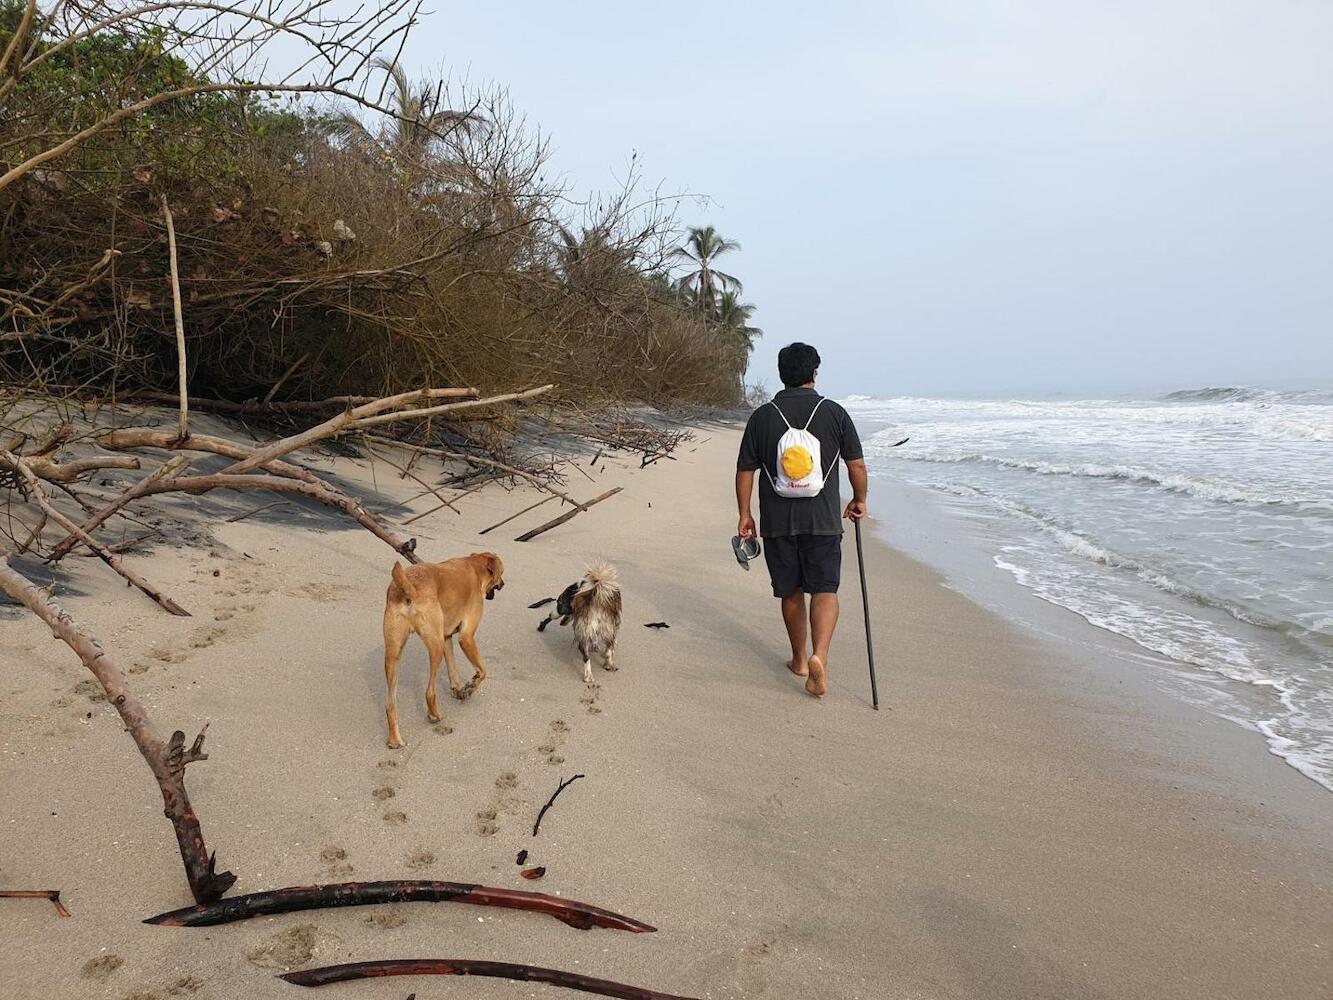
{"x": 383, "y": 793}
{"x": 591, "y": 698}
{"x": 206, "y": 637}
{"x": 185, "y": 986}
{"x": 318, "y": 590}
{"x": 486, "y": 825}
{"x": 64, "y": 701}
{"x": 395, "y": 817}
{"x": 506, "y": 798}
{"x": 138, "y": 667}
{"x": 90, "y": 689}
{"x": 419, "y": 859}
{"x": 101, "y": 967}
{"x": 166, "y": 654}
{"x": 335, "y": 861}
{"x": 294, "y": 946}
{"x": 550, "y": 750}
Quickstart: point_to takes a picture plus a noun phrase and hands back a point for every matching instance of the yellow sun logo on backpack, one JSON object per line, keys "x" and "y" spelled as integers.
{"x": 800, "y": 471}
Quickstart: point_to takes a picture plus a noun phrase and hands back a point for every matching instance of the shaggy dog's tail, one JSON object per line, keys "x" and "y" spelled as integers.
{"x": 604, "y": 578}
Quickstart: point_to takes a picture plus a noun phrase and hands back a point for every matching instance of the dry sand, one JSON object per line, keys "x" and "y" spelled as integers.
{"x": 1013, "y": 824}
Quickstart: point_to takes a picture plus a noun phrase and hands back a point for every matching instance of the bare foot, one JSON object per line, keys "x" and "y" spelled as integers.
{"x": 799, "y": 671}
{"x": 815, "y": 683}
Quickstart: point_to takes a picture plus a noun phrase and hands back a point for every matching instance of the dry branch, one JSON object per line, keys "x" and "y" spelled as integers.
{"x": 349, "y": 418}
{"x": 499, "y": 524}
{"x": 317, "y": 491}
{"x": 103, "y": 553}
{"x": 556, "y": 522}
{"x": 183, "y": 426}
{"x": 149, "y": 437}
{"x": 67, "y": 472}
{"x": 167, "y": 761}
{"x": 165, "y": 471}
{"x": 551, "y": 801}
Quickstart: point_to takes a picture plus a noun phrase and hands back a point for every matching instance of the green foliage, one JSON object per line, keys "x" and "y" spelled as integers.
{"x": 312, "y": 258}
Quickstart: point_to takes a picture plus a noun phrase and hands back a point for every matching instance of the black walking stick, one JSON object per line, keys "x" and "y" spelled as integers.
{"x": 865, "y": 605}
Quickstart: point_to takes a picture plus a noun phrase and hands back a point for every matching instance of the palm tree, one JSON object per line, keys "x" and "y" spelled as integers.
{"x": 418, "y": 118}
{"x": 733, "y": 322}
{"x": 703, "y": 246}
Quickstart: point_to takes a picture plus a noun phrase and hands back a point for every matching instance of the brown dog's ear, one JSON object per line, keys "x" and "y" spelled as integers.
{"x": 492, "y": 565}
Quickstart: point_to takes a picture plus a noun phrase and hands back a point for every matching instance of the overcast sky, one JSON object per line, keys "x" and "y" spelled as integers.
{"x": 966, "y": 197}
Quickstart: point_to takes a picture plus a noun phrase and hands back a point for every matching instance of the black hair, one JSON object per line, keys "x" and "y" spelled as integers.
{"x": 796, "y": 364}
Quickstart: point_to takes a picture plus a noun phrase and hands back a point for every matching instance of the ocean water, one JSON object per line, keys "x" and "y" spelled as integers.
{"x": 1198, "y": 524}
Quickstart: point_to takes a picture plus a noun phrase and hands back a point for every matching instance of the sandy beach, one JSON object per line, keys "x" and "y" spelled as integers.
{"x": 1014, "y": 822}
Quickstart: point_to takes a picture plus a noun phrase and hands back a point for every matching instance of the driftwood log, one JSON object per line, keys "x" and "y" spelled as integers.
{"x": 166, "y": 759}
{"x": 472, "y": 967}
{"x": 318, "y": 897}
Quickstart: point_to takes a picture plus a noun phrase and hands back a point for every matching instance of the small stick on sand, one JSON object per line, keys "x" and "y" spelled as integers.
{"x": 551, "y": 801}
{"x": 534, "y": 506}
{"x": 556, "y": 522}
{"x": 52, "y": 894}
{"x": 255, "y": 510}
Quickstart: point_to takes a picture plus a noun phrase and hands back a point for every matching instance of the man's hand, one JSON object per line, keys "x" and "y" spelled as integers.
{"x": 745, "y": 490}
{"x": 859, "y": 477}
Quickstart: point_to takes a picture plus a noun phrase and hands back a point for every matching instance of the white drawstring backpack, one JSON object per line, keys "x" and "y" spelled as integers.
{"x": 800, "y": 470}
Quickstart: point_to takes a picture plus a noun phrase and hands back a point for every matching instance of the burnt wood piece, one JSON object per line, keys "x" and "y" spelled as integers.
{"x": 316, "y": 897}
{"x": 472, "y": 967}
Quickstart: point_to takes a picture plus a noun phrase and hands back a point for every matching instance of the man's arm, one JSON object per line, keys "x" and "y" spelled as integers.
{"x": 745, "y": 490}
{"x": 856, "y": 472}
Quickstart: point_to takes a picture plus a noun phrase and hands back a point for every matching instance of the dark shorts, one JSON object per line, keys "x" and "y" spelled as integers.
{"x": 808, "y": 563}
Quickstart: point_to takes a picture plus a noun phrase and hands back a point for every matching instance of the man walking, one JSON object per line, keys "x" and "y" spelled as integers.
{"x": 802, "y": 533}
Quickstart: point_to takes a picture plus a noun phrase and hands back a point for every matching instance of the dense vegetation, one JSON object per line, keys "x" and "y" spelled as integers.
{"x": 324, "y": 247}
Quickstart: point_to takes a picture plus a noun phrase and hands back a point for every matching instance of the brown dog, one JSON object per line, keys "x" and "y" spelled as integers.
{"x": 437, "y": 601}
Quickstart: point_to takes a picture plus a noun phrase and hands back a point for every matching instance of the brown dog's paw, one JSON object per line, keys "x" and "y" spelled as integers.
{"x": 461, "y": 693}
{"x": 395, "y": 743}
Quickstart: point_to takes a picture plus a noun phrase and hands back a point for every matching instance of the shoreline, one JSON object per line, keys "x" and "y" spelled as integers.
{"x": 1015, "y": 822}
{"x": 943, "y": 540}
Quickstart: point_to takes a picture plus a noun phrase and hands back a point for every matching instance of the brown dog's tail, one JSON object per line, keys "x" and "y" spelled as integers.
{"x": 406, "y": 593}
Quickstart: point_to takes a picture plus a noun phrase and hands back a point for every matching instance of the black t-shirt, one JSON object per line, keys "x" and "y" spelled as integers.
{"x": 781, "y": 516}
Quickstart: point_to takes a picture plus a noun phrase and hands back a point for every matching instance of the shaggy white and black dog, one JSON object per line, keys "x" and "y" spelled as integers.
{"x": 593, "y": 605}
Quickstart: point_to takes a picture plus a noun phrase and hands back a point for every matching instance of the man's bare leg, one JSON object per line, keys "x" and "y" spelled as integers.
{"x": 823, "y": 620}
{"x": 793, "y": 616}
